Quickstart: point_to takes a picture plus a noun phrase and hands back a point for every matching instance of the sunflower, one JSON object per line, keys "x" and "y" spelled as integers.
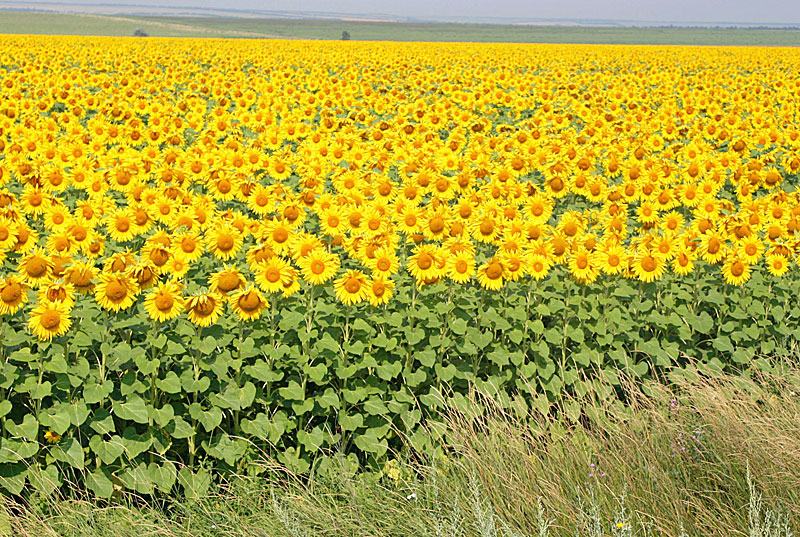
{"x": 144, "y": 273}
{"x": 247, "y": 303}
{"x": 176, "y": 268}
{"x": 272, "y": 274}
{"x": 461, "y": 267}
{"x": 48, "y": 320}
{"x": 538, "y": 266}
{"x": 226, "y": 280}
{"x": 351, "y": 288}
{"x": 164, "y": 302}
{"x": 8, "y": 233}
{"x": 278, "y": 235}
{"x": 188, "y": 246}
{"x": 683, "y": 262}
{"x": 332, "y": 222}
{"x": 319, "y": 266}
{"x": 379, "y": 290}
{"x": 223, "y": 240}
{"x": 116, "y": 291}
{"x": 751, "y": 249}
{"x": 777, "y": 264}
{"x": 62, "y": 293}
{"x": 648, "y": 267}
{"x": 584, "y": 265}
{"x": 736, "y": 270}
{"x": 424, "y": 262}
{"x": 384, "y": 262}
{"x": 291, "y": 284}
{"x": 121, "y": 225}
{"x": 13, "y": 294}
{"x": 36, "y": 267}
{"x": 490, "y": 274}
{"x": 81, "y": 275}
{"x": 204, "y": 309}
{"x": 713, "y": 248}
{"x": 613, "y": 259}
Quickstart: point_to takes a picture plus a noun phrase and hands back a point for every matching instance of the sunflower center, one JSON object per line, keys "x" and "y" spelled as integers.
{"x": 649, "y": 264}
{"x": 56, "y": 295}
{"x": 425, "y": 261}
{"x": 494, "y": 271}
{"x": 123, "y": 226}
{"x": 437, "y": 224}
{"x": 50, "y": 319}
{"x": 378, "y": 289}
{"x": 713, "y": 245}
{"x": 228, "y": 282}
{"x": 280, "y": 235}
{"x": 164, "y": 302}
{"x": 225, "y": 242}
{"x": 60, "y": 244}
{"x": 11, "y": 293}
{"x": 461, "y": 266}
{"x": 36, "y": 267}
{"x": 582, "y": 263}
{"x": 352, "y": 285}
{"x": 737, "y": 269}
{"x": 613, "y": 260}
{"x": 487, "y": 227}
{"x": 317, "y": 267}
{"x": 116, "y": 291}
{"x": 273, "y": 274}
{"x": 750, "y": 249}
{"x": 224, "y": 186}
{"x": 159, "y": 257}
{"x": 249, "y": 302}
{"x": 206, "y": 308}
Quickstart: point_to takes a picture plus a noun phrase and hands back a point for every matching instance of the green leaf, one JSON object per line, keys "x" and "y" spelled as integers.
{"x": 293, "y": 392}
{"x": 13, "y": 450}
{"x": 69, "y": 451}
{"x": 426, "y": 357}
{"x": 134, "y": 409}
{"x": 163, "y": 475}
{"x": 56, "y": 364}
{"x": 180, "y": 428}
{"x": 135, "y": 444}
{"x": 100, "y": 483}
{"x": 209, "y": 419}
{"x": 45, "y": 480}
{"x": 171, "y": 383}
{"x": 94, "y": 393}
{"x": 108, "y": 451}
{"x": 12, "y": 477}
{"x": 723, "y": 344}
{"x": 102, "y": 421}
{"x": 195, "y": 485}
{"x": 28, "y": 428}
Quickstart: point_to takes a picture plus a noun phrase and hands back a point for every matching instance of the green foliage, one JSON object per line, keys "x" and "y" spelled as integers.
{"x": 147, "y": 408}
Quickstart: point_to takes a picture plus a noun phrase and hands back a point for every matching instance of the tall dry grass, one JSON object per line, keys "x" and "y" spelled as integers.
{"x": 701, "y": 455}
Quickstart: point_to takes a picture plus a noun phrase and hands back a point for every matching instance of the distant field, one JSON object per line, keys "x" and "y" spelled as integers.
{"x": 46, "y": 23}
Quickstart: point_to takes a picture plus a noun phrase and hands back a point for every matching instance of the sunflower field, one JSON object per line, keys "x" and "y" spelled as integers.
{"x": 214, "y": 249}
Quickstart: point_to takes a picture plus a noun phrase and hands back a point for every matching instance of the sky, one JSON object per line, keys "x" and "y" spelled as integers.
{"x": 739, "y": 11}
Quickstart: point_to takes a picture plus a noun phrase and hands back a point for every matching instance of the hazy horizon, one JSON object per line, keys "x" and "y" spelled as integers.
{"x": 679, "y": 11}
